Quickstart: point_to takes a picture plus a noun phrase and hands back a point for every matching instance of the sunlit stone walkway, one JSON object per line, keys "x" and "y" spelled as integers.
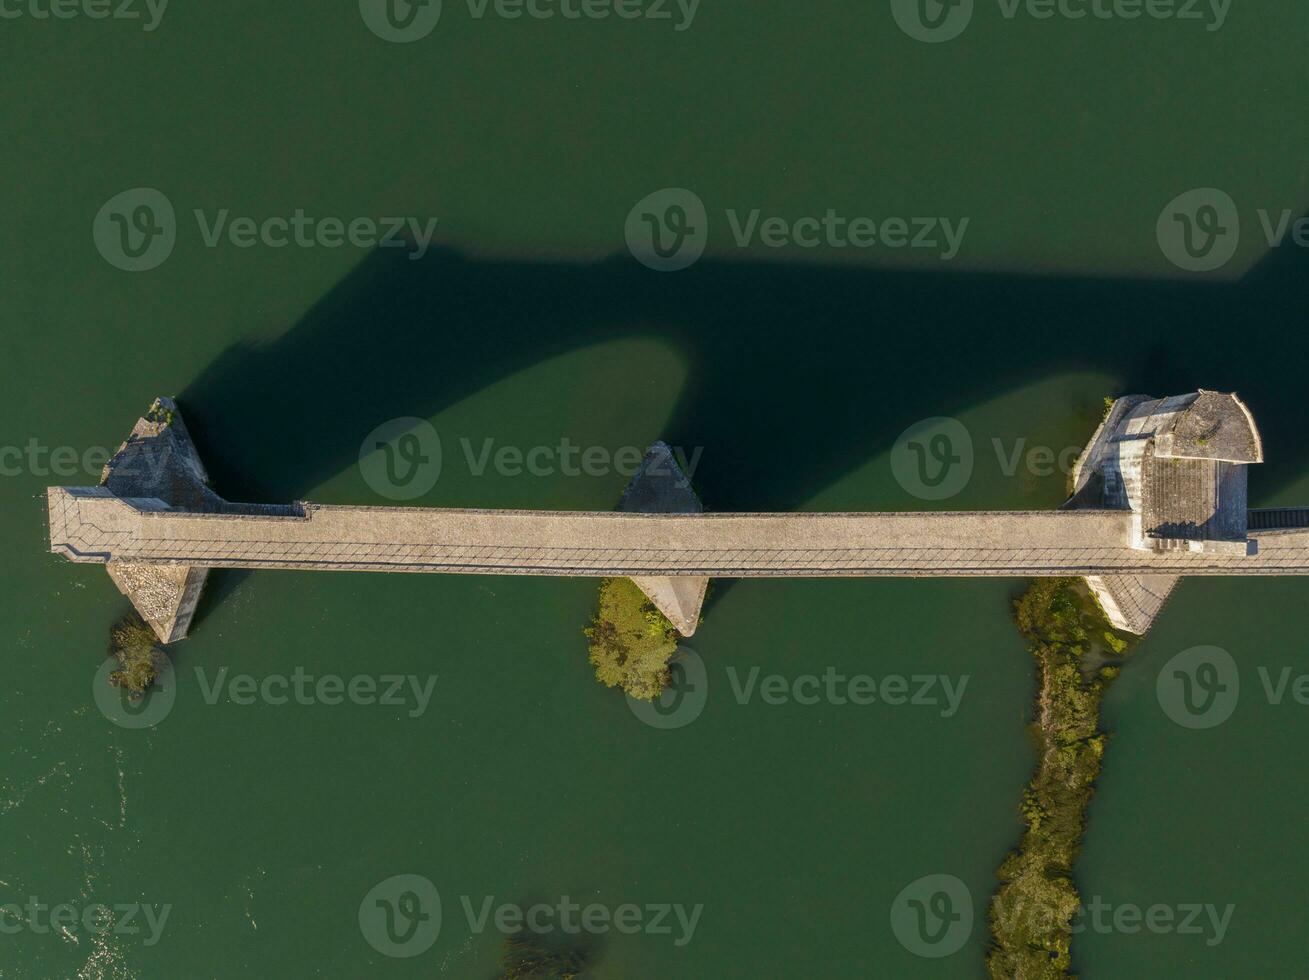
{"x": 1160, "y": 493}
{"x": 92, "y": 525}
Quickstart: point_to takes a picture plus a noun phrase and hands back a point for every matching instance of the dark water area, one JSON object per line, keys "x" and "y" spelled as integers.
{"x": 790, "y": 373}
{"x": 804, "y": 357}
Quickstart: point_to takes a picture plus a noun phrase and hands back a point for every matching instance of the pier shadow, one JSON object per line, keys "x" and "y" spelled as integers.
{"x": 797, "y": 373}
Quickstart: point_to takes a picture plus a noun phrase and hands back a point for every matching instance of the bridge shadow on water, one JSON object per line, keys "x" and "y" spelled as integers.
{"x": 798, "y": 373}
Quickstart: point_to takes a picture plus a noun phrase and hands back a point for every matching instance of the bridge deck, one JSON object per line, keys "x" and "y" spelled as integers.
{"x": 92, "y": 525}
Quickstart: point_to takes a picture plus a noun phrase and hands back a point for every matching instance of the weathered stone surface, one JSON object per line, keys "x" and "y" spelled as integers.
{"x": 661, "y": 539}
{"x": 158, "y": 463}
{"x": 159, "y": 460}
{"x": 1193, "y": 499}
{"x": 661, "y": 487}
{"x": 1213, "y": 425}
{"x": 165, "y": 595}
{"x": 92, "y": 525}
{"x": 1089, "y": 490}
{"x": 1132, "y": 602}
{"x": 1177, "y": 466}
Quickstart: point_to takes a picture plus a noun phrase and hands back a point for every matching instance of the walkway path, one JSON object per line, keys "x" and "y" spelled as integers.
{"x": 92, "y": 525}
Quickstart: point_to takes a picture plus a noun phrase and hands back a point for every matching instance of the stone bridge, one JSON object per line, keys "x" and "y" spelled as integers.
{"x": 159, "y": 528}
{"x": 93, "y": 525}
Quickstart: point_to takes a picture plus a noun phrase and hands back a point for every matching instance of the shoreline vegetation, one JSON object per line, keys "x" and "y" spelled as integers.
{"x": 631, "y": 642}
{"x": 140, "y": 658}
{"x": 1078, "y": 655}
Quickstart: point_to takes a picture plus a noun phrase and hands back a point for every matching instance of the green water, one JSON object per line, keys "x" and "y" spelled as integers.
{"x": 792, "y": 371}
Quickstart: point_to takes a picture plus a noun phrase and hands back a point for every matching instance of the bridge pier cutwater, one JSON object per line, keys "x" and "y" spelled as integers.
{"x": 1159, "y": 494}
{"x": 661, "y": 487}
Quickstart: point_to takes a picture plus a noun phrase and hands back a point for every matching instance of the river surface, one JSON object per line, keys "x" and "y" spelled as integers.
{"x": 784, "y": 825}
